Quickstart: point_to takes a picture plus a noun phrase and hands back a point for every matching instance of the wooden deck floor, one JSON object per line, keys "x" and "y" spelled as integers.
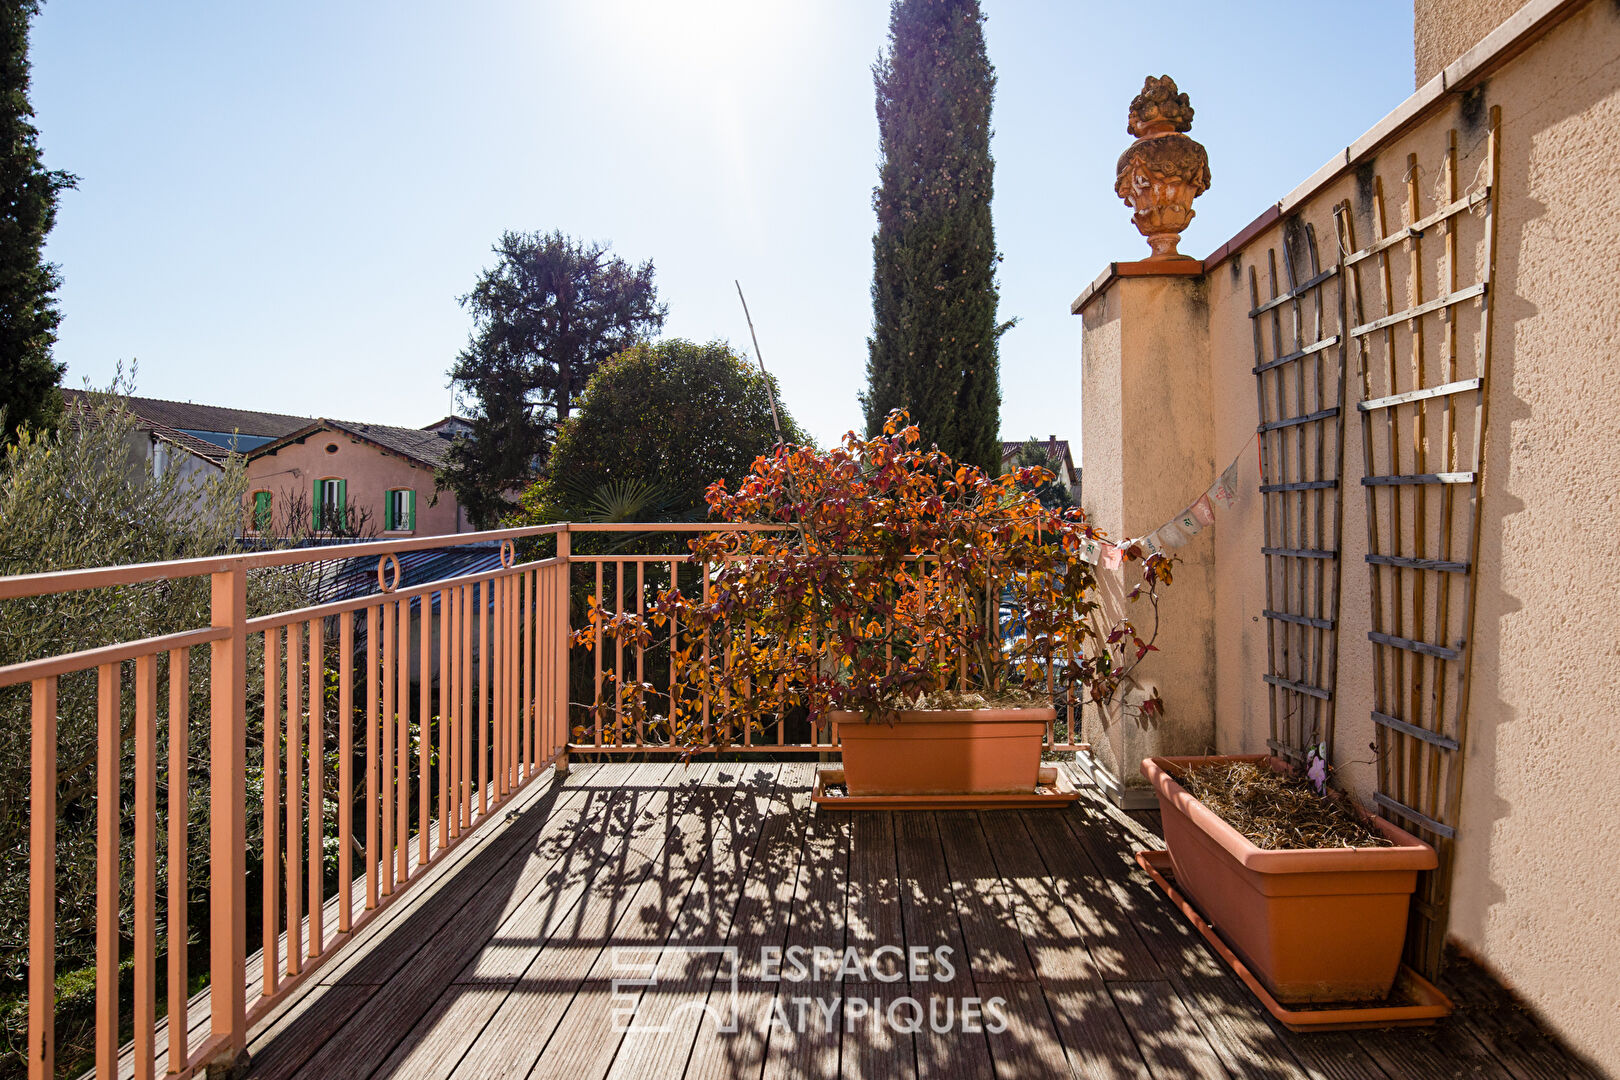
{"x": 502, "y": 962}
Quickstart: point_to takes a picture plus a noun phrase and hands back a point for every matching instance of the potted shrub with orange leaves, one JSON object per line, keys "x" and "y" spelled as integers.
{"x": 873, "y": 600}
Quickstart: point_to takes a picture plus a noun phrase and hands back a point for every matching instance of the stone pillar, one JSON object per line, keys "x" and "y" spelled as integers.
{"x": 1148, "y": 445}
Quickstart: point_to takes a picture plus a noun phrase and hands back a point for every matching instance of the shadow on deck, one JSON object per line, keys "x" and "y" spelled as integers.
{"x": 674, "y": 880}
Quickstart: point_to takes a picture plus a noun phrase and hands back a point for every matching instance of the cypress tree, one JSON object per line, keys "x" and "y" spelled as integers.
{"x": 934, "y": 329}
{"x": 28, "y": 315}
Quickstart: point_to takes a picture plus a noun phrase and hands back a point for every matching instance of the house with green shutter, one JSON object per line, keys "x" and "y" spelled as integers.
{"x": 340, "y": 478}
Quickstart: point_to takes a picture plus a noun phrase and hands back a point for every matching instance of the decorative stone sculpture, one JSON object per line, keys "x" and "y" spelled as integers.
{"x": 1163, "y": 171}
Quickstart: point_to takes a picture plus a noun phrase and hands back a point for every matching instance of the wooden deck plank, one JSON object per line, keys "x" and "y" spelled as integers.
{"x": 1228, "y": 1016}
{"x": 1023, "y": 1039}
{"x": 496, "y": 962}
{"x": 433, "y": 944}
{"x": 705, "y": 851}
{"x": 526, "y": 1010}
{"x": 809, "y": 1042}
{"x": 873, "y": 1047}
{"x": 737, "y": 1054}
{"x": 1088, "y": 1021}
{"x": 1116, "y": 947}
{"x": 995, "y": 951}
{"x": 719, "y": 915}
{"x": 928, "y": 914}
{"x": 581, "y": 855}
{"x": 1166, "y": 1036}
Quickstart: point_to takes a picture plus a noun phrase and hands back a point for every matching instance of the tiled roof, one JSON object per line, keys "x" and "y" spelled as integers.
{"x": 1056, "y": 450}
{"x": 82, "y": 405}
{"x": 187, "y": 414}
{"x": 426, "y": 447}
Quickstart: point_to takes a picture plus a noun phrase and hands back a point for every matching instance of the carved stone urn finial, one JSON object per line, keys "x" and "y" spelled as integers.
{"x": 1163, "y": 171}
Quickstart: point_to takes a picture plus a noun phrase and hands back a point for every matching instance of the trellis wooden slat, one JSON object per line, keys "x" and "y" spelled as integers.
{"x": 1421, "y": 465}
{"x": 1299, "y": 383}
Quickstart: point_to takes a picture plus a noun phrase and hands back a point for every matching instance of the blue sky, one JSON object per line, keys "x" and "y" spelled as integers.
{"x": 279, "y": 203}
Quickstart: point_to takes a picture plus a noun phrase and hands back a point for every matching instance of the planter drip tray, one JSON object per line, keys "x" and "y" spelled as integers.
{"x": 1053, "y": 788}
{"x": 1414, "y": 1002}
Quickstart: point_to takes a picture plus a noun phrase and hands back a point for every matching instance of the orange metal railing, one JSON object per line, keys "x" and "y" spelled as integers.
{"x": 488, "y": 710}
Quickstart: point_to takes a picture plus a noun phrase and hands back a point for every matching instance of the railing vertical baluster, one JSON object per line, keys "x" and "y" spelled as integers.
{"x": 373, "y": 779}
{"x": 484, "y": 661}
{"x": 345, "y": 807}
{"x": 385, "y": 806}
{"x": 465, "y": 728}
{"x": 618, "y": 656}
{"x": 530, "y": 654}
{"x": 271, "y": 857}
{"x": 42, "y": 883}
{"x": 295, "y": 801}
{"x": 674, "y": 634}
{"x": 498, "y": 683}
{"x": 561, "y": 618}
{"x": 109, "y": 744}
{"x": 179, "y": 781}
{"x": 402, "y": 747}
{"x": 703, "y": 571}
{"x": 444, "y": 718}
{"x": 317, "y": 783}
{"x": 526, "y": 661}
{"x": 227, "y": 821}
{"x": 597, "y": 652}
{"x": 145, "y": 855}
{"x": 424, "y": 725}
{"x": 641, "y": 650}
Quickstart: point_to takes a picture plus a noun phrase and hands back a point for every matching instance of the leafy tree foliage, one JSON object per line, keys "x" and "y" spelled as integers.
{"x": 545, "y": 316}
{"x": 658, "y": 424}
{"x": 28, "y": 191}
{"x": 82, "y": 494}
{"x": 933, "y": 348}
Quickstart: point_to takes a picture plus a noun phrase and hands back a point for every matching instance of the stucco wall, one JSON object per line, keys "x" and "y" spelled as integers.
{"x": 1147, "y": 439}
{"x": 290, "y": 473}
{"x": 1443, "y": 30}
{"x": 1545, "y": 680}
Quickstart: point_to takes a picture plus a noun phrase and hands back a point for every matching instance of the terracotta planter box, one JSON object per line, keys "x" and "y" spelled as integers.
{"x": 944, "y": 752}
{"x": 1313, "y": 925}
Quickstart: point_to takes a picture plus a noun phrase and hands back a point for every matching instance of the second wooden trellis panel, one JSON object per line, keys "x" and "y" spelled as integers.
{"x": 1419, "y": 305}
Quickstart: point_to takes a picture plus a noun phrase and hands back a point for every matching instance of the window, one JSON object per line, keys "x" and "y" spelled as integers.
{"x": 330, "y": 506}
{"x": 262, "y": 511}
{"x": 399, "y": 511}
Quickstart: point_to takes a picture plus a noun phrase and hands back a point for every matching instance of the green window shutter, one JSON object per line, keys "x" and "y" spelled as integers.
{"x": 261, "y": 511}
{"x": 315, "y": 509}
{"x": 410, "y": 507}
{"x": 388, "y": 511}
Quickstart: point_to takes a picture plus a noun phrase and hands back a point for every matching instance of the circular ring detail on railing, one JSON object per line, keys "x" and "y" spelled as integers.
{"x": 388, "y": 583}
{"x": 508, "y": 554}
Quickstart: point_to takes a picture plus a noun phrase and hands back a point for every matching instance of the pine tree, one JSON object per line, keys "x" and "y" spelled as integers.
{"x": 28, "y": 315}
{"x": 933, "y": 349}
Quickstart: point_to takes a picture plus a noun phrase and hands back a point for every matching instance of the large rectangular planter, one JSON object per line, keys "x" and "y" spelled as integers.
{"x": 944, "y": 751}
{"x": 1313, "y": 925}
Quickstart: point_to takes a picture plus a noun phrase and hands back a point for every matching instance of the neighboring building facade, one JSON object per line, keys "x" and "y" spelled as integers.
{"x": 371, "y": 479}
{"x": 1059, "y": 459}
{"x": 341, "y": 478}
{"x": 158, "y": 449}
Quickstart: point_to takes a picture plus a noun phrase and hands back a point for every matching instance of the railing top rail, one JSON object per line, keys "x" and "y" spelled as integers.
{"x": 55, "y": 581}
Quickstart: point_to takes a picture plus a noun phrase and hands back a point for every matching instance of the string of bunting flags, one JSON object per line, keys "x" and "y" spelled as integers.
{"x": 1179, "y": 530}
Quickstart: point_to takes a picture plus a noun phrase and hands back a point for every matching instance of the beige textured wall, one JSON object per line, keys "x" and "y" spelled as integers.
{"x": 1146, "y": 444}
{"x": 292, "y": 471}
{"x": 1443, "y": 30}
{"x": 1534, "y": 881}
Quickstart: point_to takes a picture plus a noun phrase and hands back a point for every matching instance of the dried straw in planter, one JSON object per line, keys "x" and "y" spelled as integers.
{"x": 1276, "y": 811}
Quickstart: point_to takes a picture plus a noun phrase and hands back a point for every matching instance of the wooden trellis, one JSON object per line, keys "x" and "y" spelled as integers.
{"x": 1299, "y": 377}
{"x": 1422, "y": 339}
